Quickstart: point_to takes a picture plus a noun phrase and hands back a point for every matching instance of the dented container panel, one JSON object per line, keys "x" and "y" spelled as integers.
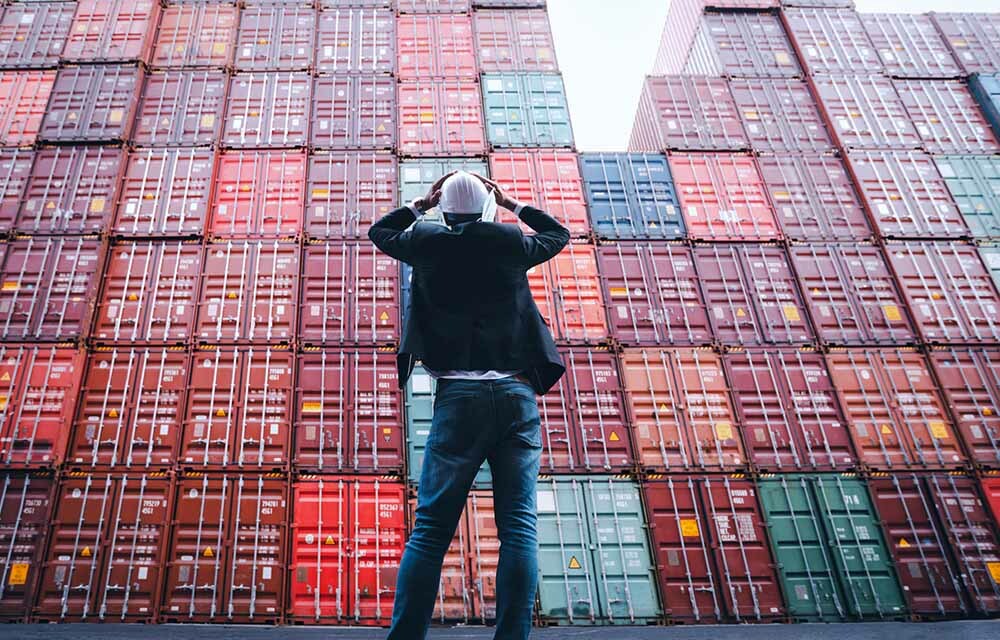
{"x": 268, "y": 110}
{"x": 441, "y": 118}
{"x": 258, "y": 194}
{"x": 514, "y": 41}
{"x": 832, "y": 41}
{"x": 909, "y": 45}
{"x": 347, "y": 192}
{"x": 181, "y": 108}
{"x": 33, "y": 35}
{"x": 631, "y": 196}
{"x": 23, "y": 99}
{"x": 970, "y": 381}
{"x": 549, "y": 180}
{"x": 567, "y": 291}
{"x": 165, "y": 192}
{"x": 93, "y": 103}
{"x": 947, "y": 117}
{"x": 865, "y": 112}
{"x": 780, "y": 115}
{"x": 687, "y": 113}
{"x": 435, "y": 46}
{"x": 526, "y": 110}
{"x": 276, "y": 37}
{"x": 196, "y": 35}
{"x": 351, "y": 112}
{"x": 112, "y": 31}
{"x": 356, "y": 40}
{"x": 25, "y": 513}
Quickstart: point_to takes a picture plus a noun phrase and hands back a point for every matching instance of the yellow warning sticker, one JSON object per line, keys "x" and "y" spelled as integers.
{"x": 723, "y": 430}
{"x": 97, "y": 205}
{"x": 115, "y": 116}
{"x": 3, "y": 402}
{"x": 903, "y": 543}
{"x": 218, "y": 48}
{"x": 380, "y": 128}
{"x": 208, "y": 553}
{"x": 426, "y": 116}
{"x": 689, "y": 528}
{"x": 618, "y": 291}
{"x": 18, "y": 574}
{"x": 663, "y": 407}
{"x": 994, "y": 568}
{"x": 886, "y": 430}
{"x": 86, "y": 552}
{"x": 9, "y": 286}
{"x": 5, "y": 376}
{"x": 231, "y": 295}
{"x": 220, "y": 413}
{"x": 938, "y": 430}
{"x": 751, "y": 115}
{"x": 387, "y": 431}
{"x": 892, "y": 313}
{"x": 312, "y": 407}
{"x": 321, "y": 193}
{"x": 740, "y": 313}
{"x": 613, "y": 437}
{"x": 208, "y": 120}
{"x": 113, "y": 413}
{"x": 791, "y": 313}
{"x": 782, "y": 58}
{"x": 384, "y": 316}
{"x": 574, "y": 563}
{"x": 132, "y": 297}
{"x": 329, "y": 540}
{"x": 987, "y": 411}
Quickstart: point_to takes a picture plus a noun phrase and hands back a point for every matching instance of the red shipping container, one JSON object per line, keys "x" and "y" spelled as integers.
{"x": 813, "y": 197}
{"x": 442, "y": 117}
{"x": 711, "y": 550}
{"x": 348, "y": 295}
{"x": 906, "y": 195}
{"x": 970, "y": 380}
{"x": 15, "y": 168}
{"x": 852, "y": 295}
{"x": 910, "y": 46}
{"x": 722, "y": 197}
{"x": 653, "y": 294}
{"x": 23, "y": 98}
{"x": 951, "y": 295}
{"x": 991, "y": 491}
{"x": 71, "y": 190}
{"x": 687, "y": 113}
{"x": 831, "y": 41}
{"x": 268, "y": 110}
{"x": 352, "y": 112}
{"x": 348, "y": 412}
{"x": 865, "y": 112}
{"x": 780, "y": 115}
{"x": 181, "y": 108}
{"x": 434, "y": 6}
{"x": 106, "y": 549}
{"x": 356, "y": 39}
{"x": 752, "y": 295}
{"x": 165, "y": 192}
{"x": 94, "y": 103}
{"x": 740, "y": 4}
{"x": 196, "y": 35}
{"x": 226, "y": 560}
{"x": 974, "y": 39}
{"x": 347, "y": 192}
{"x": 150, "y": 293}
{"x": 276, "y": 37}
{"x": 681, "y": 408}
{"x": 249, "y": 292}
{"x": 751, "y": 44}
{"x": 895, "y": 414}
{"x": 258, "y": 194}
{"x": 567, "y": 291}
{"x": 789, "y": 414}
{"x": 49, "y": 286}
{"x": 947, "y": 117}
{"x": 435, "y": 46}
{"x": 349, "y": 533}
{"x": 514, "y": 41}
{"x": 33, "y": 35}
{"x": 38, "y": 387}
{"x": 544, "y": 178}
{"x": 112, "y": 31}
{"x": 25, "y": 505}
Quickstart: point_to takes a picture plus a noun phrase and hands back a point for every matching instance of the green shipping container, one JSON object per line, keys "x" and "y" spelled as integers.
{"x": 832, "y": 560}
{"x": 416, "y": 176}
{"x": 595, "y": 565}
{"x": 991, "y": 256}
{"x": 974, "y": 182}
{"x": 526, "y": 110}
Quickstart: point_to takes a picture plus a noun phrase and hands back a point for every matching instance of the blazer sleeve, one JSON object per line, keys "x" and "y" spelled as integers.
{"x": 549, "y": 239}
{"x": 391, "y": 235}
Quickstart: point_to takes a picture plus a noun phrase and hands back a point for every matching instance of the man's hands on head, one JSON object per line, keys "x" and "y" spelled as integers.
{"x": 502, "y": 199}
{"x": 433, "y": 196}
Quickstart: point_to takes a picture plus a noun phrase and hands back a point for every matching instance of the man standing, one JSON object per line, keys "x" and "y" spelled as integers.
{"x": 474, "y": 325}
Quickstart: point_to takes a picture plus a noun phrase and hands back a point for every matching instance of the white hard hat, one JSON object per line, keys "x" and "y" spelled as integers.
{"x": 465, "y": 193}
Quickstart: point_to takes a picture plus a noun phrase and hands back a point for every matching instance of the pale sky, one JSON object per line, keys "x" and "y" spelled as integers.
{"x": 604, "y": 53}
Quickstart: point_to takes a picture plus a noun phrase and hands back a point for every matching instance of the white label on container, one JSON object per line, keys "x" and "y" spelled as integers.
{"x": 844, "y": 124}
{"x": 222, "y": 209}
{"x": 320, "y": 212}
{"x": 180, "y": 309}
{"x": 546, "y": 501}
{"x": 494, "y": 84}
{"x": 213, "y": 310}
{"x": 671, "y": 124}
{"x": 164, "y": 429}
{"x": 693, "y": 212}
{"x": 112, "y": 311}
{"x": 27, "y": 18}
{"x": 421, "y": 383}
{"x": 884, "y": 209}
{"x": 314, "y": 310}
{"x": 143, "y": 573}
{"x": 274, "y": 429}
{"x": 623, "y": 312}
{"x": 265, "y": 572}
{"x": 411, "y": 174}
{"x": 238, "y": 123}
{"x": 423, "y": 432}
{"x": 328, "y": 51}
{"x": 130, "y": 207}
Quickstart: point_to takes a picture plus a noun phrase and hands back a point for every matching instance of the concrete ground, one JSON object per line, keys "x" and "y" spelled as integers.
{"x": 962, "y": 630}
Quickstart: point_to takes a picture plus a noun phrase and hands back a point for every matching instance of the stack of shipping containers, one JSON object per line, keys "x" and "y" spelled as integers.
{"x": 776, "y": 311}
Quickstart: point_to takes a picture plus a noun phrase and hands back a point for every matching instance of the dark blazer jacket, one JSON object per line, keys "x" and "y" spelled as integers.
{"x": 470, "y": 305}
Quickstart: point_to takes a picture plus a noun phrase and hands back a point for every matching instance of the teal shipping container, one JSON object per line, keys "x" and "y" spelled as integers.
{"x": 986, "y": 88}
{"x": 974, "y": 182}
{"x": 526, "y": 110}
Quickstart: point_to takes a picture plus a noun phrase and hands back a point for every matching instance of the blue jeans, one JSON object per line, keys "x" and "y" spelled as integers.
{"x": 475, "y": 420}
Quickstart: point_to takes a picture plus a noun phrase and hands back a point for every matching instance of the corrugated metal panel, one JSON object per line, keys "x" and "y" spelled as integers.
{"x": 832, "y": 42}
{"x": 631, "y": 196}
{"x": 112, "y": 31}
{"x": 23, "y": 99}
{"x": 514, "y": 41}
{"x": 865, "y": 112}
{"x": 780, "y": 115}
{"x": 434, "y": 6}
{"x": 15, "y": 169}
{"x": 352, "y": 112}
{"x": 33, "y": 35}
{"x": 416, "y": 176}
{"x": 268, "y": 110}
{"x": 751, "y": 45}
{"x": 275, "y": 38}
{"x": 567, "y": 291}
{"x": 679, "y": 30}
{"x": 986, "y": 89}
{"x": 196, "y": 35}
{"x": 947, "y": 117}
{"x": 347, "y": 192}
{"x": 688, "y": 113}
{"x": 25, "y": 513}
{"x": 974, "y": 39}
{"x": 93, "y": 103}
{"x": 970, "y": 381}
{"x": 356, "y": 39}
{"x": 440, "y": 118}
{"x": 165, "y": 192}
{"x": 258, "y": 194}
{"x": 526, "y": 110}
{"x": 910, "y": 46}
{"x": 974, "y": 183}
{"x": 703, "y": 57}
{"x": 547, "y": 178}
{"x": 181, "y": 108}
{"x": 435, "y": 46}
{"x": 991, "y": 257}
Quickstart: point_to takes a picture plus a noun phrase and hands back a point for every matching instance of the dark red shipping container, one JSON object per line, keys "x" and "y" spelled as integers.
{"x": 112, "y": 31}
{"x": 813, "y": 197}
{"x": 974, "y": 39}
{"x": 93, "y": 103}
{"x": 832, "y": 41}
{"x": 711, "y": 550}
{"x": 150, "y": 293}
{"x": 947, "y": 117}
{"x": 39, "y": 387}
{"x": 226, "y": 561}
{"x": 906, "y": 195}
{"x": 780, "y": 115}
{"x": 49, "y": 287}
{"x": 653, "y": 294}
{"x": 722, "y": 197}
{"x": 434, "y": 6}
{"x": 106, "y": 549}
{"x": 991, "y": 491}
{"x": 25, "y": 507}
{"x": 258, "y": 194}
{"x": 441, "y": 117}
{"x": 435, "y": 46}
{"x": 687, "y": 113}
{"x": 33, "y": 35}
{"x": 951, "y": 294}
{"x": 347, "y": 192}
{"x": 567, "y": 291}
{"x": 71, "y": 190}
{"x": 348, "y": 295}
{"x": 351, "y": 112}
{"x": 865, "y": 112}
{"x": 545, "y": 178}
{"x": 788, "y": 410}
{"x": 349, "y": 412}
{"x": 752, "y": 295}
{"x": 852, "y": 295}
{"x": 751, "y": 44}
{"x": 15, "y": 168}
{"x": 514, "y": 41}
{"x": 268, "y": 110}
{"x": 356, "y": 39}
{"x": 23, "y": 99}
{"x": 348, "y": 538}
{"x": 276, "y": 37}
{"x": 165, "y": 192}
{"x": 910, "y": 46}
{"x": 681, "y": 411}
{"x": 196, "y": 35}
{"x": 894, "y": 411}
{"x": 970, "y": 380}
{"x": 249, "y": 292}
{"x": 181, "y": 108}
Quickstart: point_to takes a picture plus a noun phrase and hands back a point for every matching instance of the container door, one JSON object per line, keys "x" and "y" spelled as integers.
{"x": 25, "y": 505}
{"x": 319, "y": 564}
{"x": 255, "y": 584}
{"x": 567, "y": 588}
